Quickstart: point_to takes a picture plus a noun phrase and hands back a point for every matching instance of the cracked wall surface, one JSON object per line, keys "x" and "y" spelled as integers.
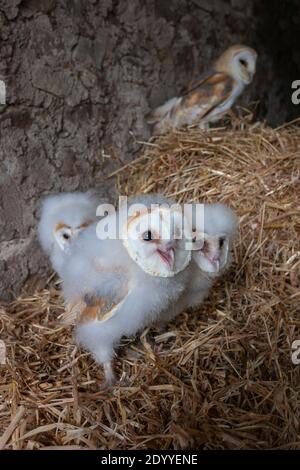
{"x": 80, "y": 77}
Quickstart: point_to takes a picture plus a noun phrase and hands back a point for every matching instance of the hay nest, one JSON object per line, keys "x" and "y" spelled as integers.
{"x": 220, "y": 377}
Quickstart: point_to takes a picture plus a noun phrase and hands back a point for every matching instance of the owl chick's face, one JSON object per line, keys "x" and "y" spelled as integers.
{"x": 64, "y": 234}
{"x": 243, "y": 65}
{"x": 155, "y": 242}
{"x": 212, "y": 254}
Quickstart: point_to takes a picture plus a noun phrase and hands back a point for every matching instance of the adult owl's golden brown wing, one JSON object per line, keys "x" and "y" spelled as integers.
{"x": 204, "y": 97}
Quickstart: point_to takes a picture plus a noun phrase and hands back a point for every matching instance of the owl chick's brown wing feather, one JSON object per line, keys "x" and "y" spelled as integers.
{"x": 85, "y": 311}
{"x": 206, "y": 95}
{"x": 92, "y": 307}
{"x": 101, "y": 309}
{"x": 73, "y": 311}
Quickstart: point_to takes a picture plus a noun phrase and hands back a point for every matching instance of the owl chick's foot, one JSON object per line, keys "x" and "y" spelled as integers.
{"x": 110, "y": 378}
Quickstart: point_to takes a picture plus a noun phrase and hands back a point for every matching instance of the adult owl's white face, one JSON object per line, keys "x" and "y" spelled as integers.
{"x": 239, "y": 62}
{"x": 154, "y": 240}
{"x": 243, "y": 64}
{"x": 211, "y": 252}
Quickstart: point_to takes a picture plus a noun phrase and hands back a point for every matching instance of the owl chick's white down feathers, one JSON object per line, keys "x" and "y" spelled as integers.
{"x": 63, "y": 217}
{"x": 209, "y": 98}
{"x": 211, "y": 257}
{"x": 125, "y": 286}
{"x": 218, "y": 233}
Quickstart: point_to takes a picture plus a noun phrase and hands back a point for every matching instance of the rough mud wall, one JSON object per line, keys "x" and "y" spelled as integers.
{"x": 80, "y": 76}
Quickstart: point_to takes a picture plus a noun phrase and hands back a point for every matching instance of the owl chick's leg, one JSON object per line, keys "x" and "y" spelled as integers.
{"x": 106, "y": 362}
{"x": 103, "y": 355}
{"x": 110, "y": 378}
{"x": 100, "y": 345}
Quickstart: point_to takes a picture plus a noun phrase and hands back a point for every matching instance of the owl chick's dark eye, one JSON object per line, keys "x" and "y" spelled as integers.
{"x": 66, "y": 236}
{"x": 221, "y": 242}
{"x": 243, "y": 62}
{"x": 147, "y": 236}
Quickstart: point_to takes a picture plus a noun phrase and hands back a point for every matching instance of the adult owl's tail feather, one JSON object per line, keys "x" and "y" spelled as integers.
{"x": 161, "y": 112}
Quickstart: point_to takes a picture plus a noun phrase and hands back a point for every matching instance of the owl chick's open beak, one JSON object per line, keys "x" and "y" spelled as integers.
{"x": 168, "y": 255}
{"x": 215, "y": 261}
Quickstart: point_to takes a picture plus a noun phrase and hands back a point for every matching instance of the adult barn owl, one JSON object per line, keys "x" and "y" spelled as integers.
{"x": 63, "y": 217}
{"x": 209, "y": 98}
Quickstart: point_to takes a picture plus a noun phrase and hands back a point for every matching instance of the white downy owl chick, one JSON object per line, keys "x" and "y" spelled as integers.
{"x": 214, "y": 234}
{"x": 63, "y": 217}
{"x": 122, "y": 285}
{"x": 218, "y": 233}
{"x": 209, "y": 98}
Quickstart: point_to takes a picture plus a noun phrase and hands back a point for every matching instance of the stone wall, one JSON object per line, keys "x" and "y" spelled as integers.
{"x": 80, "y": 77}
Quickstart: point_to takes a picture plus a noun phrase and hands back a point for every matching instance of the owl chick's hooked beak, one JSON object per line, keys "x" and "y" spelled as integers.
{"x": 167, "y": 253}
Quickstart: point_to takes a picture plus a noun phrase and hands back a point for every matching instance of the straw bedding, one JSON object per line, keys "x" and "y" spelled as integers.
{"x": 220, "y": 377}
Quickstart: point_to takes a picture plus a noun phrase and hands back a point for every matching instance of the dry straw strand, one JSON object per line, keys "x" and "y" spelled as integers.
{"x": 220, "y": 377}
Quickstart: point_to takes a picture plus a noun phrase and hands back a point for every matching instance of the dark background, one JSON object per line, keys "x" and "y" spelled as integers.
{"x": 81, "y": 75}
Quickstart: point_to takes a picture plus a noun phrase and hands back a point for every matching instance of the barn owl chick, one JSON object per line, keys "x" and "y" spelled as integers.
{"x": 154, "y": 249}
{"x": 211, "y": 253}
{"x": 124, "y": 284}
{"x": 63, "y": 217}
{"x": 209, "y": 98}
{"x": 213, "y": 236}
